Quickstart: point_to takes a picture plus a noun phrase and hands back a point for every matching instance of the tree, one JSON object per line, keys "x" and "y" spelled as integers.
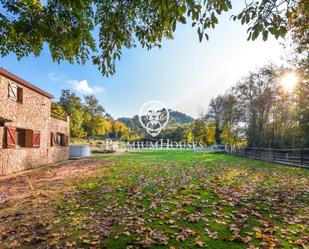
{"x": 94, "y": 122}
{"x": 76, "y": 124}
{"x": 67, "y": 27}
{"x": 211, "y": 130}
{"x": 262, "y": 111}
{"x": 302, "y": 93}
{"x": 215, "y": 113}
{"x": 92, "y": 106}
{"x": 120, "y": 130}
{"x": 227, "y": 135}
{"x": 299, "y": 26}
{"x": 256, "y": 94}
{"x": 57, "y": 111}
{"x": 188, "y": 136}
{"x": 73, "y": 106}
{"x": 173, "y": 132}
{"x": 232, "y": 111}
{"x": 101, "y": 126}
{"x": 69, "y": 101}
{"x": 199, "y": 131}
{"x": 232, "y": 137}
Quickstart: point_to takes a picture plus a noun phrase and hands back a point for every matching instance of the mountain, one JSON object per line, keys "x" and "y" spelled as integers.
{"x": 133, "y": 124}
{"x": 179, "y": 118}
{"x": 176, "y": 118}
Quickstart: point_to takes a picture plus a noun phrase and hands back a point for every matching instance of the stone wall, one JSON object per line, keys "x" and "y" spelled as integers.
{"x": 33, "y": 114}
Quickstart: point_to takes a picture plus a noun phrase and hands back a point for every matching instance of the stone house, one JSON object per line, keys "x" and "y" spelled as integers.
{"x": 29, "y": 134}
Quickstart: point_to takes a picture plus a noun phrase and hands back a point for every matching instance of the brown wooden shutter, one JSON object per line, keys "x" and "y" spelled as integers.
{"x": 29, "y": 138}
{"x": 10, "y": 137}
{"x": 66, "y": 140}
{"x": 20, "y": 95}
{"x": 36, "y": 139}
{"x": 53, "y": 139}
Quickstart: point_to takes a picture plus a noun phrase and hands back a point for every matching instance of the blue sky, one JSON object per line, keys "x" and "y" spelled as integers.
{"x": 184, "y": 74}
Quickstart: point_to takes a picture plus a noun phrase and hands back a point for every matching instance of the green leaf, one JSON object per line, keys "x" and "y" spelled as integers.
{"x": 200, "y": 34}
{"x": 265, "y": 35}
{"x": 243, "y": 20}
{"x": 182, "y": 19}
{"x": 255, "y": 34}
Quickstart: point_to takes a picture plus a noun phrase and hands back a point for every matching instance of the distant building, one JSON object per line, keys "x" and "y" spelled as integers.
{"x": 29, "y": 135}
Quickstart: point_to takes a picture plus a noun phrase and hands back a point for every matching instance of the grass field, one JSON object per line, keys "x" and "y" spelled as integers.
{"x": 179, "y": 200}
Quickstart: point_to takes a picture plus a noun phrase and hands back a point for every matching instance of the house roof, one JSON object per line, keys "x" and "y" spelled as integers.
{"x": 24, "y": 83}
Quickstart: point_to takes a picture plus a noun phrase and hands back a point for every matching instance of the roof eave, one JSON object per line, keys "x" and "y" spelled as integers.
{"x": 24, "y": 83}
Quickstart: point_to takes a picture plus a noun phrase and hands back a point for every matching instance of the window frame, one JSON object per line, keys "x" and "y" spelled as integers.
{"x": 15, "y": 93}
{"x": 61, "y": 141}
{"x": 58, "y": 139}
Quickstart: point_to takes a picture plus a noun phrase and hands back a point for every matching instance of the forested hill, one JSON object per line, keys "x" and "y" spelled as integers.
{"x": 175, "y": 118}
{"x": 179, "y": 118}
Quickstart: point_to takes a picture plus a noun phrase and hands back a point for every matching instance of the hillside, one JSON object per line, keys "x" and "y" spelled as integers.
{"x": 176, "y": 118}
{"x": 179, "y": 118}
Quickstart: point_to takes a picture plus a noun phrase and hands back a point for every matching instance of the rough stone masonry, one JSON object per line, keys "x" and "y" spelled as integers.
{"x": 29, "y": 136}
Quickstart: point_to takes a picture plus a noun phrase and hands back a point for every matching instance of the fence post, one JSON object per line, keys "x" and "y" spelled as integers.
{"x": 274, "y": 151}
{"x": 302, "y": 156}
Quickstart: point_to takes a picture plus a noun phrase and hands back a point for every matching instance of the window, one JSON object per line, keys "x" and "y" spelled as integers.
{"x": 17, "y": 137}
{"x": 58, "y": 139}
{"x": 21, "y": 137}
{"x": 15, "y": 93}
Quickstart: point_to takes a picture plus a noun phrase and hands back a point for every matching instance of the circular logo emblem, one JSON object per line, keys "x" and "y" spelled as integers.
{"x": 153, "y": 116}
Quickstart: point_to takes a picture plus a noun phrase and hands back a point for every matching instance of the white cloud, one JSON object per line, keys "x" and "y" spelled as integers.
{"x": 84, "y": 87}
{"x": 56, "y": 76}
{"x": 53, "y": 76}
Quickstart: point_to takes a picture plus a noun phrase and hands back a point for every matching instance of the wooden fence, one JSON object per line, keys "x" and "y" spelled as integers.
{"x": 294, "y": 157}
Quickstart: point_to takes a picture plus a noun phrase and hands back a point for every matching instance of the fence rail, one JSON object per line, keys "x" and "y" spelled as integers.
{"x": 295, "y": 157}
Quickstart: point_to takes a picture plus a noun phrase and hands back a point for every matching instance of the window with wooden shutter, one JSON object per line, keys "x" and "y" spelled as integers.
{"x": 60, "y": 139}
{"x": 36, "y": 139}
{"x": 19, "y": 95}
{"x": 15, "y": 93}
{"x": 21, "y": 137}
{"x": 12, "y": 91}
{"x": 53, "y": 139}
{"x": 10, "y": 137}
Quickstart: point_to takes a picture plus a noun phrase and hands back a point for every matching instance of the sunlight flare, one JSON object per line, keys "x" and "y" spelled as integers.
{"x": 289, "y": 81}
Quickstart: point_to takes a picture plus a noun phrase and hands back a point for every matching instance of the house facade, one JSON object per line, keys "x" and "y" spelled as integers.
{"x": 29, "y": 136}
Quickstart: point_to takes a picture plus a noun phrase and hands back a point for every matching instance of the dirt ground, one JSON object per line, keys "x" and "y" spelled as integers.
{"x": 28, "y": 202}
{"x": 44, "y": 179}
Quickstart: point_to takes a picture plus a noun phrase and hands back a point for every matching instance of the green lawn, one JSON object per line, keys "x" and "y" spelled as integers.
{"x": 162, "y": 199}
{"x": 169, "y": 199}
